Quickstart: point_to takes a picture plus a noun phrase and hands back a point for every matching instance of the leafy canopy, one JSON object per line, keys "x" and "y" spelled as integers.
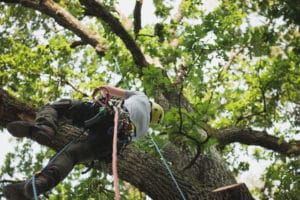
{"x": 234, "y": 70}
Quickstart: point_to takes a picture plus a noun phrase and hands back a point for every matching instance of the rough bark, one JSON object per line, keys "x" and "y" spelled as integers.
{"x": 11, "y": 109}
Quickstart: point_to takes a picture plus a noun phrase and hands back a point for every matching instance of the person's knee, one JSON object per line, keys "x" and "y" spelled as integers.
{"x": 47, "y": 115}
{"x": 79, "y": 151}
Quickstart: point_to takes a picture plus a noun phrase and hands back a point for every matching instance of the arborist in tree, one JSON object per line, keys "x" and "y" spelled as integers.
{"x": 137, "y": 112}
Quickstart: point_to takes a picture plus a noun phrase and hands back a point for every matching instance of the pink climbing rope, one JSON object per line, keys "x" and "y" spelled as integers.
{"x": 114, "y": 155}
{"x": 114, "y": 146}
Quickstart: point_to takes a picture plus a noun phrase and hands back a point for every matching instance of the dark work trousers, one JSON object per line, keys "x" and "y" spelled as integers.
{"x": 97, "y": 145}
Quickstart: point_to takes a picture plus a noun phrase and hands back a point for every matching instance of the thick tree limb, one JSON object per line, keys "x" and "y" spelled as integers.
{"x": 11, "y": 109}
{"x": 259, "y": 138}
{"x": 137, "y": 17}
{"x": 65, "y": 19}
{"x": 95, "y": 8}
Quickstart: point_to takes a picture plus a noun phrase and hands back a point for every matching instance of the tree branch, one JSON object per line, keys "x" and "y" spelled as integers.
{"x": 77, "y": 43}
{"x": 95, "y": 8}
{"x": 137, "y": 17}
{"x": 65, "y": 19}
{"x": 178, "y": 16}
{"x": 176, "y": 19}
{"x": 11, "y": 109}
{"x": 232, "y": 56}
{"x": 8, "y": 181}
{"x": 260, "y": 138}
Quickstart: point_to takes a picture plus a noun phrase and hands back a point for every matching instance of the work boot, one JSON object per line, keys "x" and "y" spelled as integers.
{"x": 40, "y": 133}
{"x": 44, "y": 181}
{"x": 15, "y": 191}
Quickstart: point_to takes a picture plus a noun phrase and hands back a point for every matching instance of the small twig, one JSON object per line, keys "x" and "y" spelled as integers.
{"x": 74, "y": 88}
{"x": 262, "y": 112}
{"x": 192, "y": 162}
{"x": 198, "y": 151}
{"x": 179, "y": 110}
{"x": 233, "y": 55}
{"x": 77, "y": 43}
{"x": 145, "y": 35}
{"x": 8, "y": 181}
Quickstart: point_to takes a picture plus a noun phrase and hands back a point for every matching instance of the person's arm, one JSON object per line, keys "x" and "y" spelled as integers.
{"x": 114, "y": 91}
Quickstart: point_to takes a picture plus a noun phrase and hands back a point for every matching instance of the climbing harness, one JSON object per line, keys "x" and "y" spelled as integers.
{"x": 167, "y": 167}
{"x": 126, "y": 129}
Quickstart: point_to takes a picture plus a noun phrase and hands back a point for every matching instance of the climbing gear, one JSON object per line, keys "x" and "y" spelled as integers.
{"x": 103, "y": 112}
{"x": 116, "y": 110}
{"x": 156, "y": 116}
{"x": 125, "y": 125}
{"x": 157, "y": 113}
{"x": 108, "y": 105}
{"x": 167, "y": 167}
{"x": 38, "y": 132}
{"x": 107, "y": 96}
{"x": 126, "y": 129}
{"x": 35, "y": 195}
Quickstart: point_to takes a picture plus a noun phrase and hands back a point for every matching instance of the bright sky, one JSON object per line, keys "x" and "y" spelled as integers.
{"x": 6, "y": 144}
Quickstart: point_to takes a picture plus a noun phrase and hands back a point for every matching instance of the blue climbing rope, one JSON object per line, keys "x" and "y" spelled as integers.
{"x": 167, "y": 167}
{"x": 34, "y": 188}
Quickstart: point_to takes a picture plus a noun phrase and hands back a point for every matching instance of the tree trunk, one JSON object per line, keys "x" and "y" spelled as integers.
{"x": 145, "y": 170}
